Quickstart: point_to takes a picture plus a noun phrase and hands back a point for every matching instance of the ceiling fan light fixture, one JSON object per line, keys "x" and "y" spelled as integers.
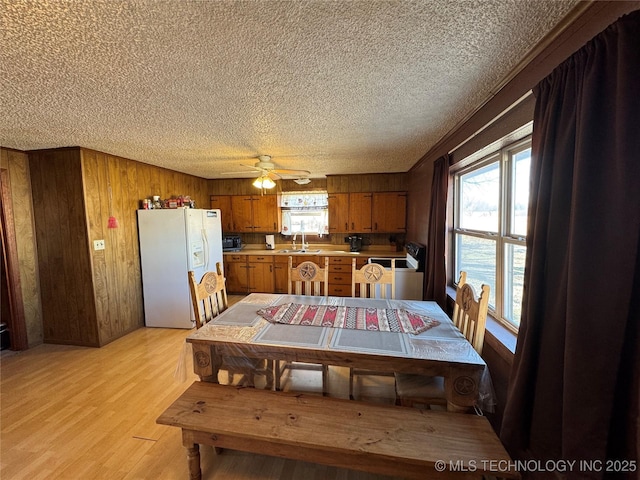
{"x": 268, "y": 183}
{"x": 302, "y": 181}
{"x": 264, "y": 182}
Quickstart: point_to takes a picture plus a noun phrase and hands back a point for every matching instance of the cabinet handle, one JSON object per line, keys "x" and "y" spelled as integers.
{"x": 270, "y": 268}
{"x": 275, "y": 227}
{"x": 376, "y": 224}
{"x": 346, "y": 225}
{"x": 353, "y": 227}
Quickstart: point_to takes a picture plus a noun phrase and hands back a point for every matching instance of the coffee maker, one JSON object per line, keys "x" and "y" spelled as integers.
{"x": 355, "y": 242}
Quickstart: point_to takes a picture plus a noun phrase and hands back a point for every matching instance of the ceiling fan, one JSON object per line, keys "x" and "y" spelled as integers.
{"x": 266, "y": 168}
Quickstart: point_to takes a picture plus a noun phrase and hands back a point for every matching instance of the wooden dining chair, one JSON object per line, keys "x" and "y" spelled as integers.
{"x": 371, "y": 281}
{"x": 209, "y": 299}
{"x": 470, "y": 317}
{"x": 306, "y": 279}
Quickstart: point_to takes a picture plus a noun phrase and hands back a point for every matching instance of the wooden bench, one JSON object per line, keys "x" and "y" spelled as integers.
{"x": 383, "y": 439}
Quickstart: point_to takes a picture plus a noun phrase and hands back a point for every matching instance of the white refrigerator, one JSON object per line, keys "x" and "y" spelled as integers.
{"x": 172, "y": 242}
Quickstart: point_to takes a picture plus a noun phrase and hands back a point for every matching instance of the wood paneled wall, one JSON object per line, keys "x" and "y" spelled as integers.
{"x": 91, "y": 297}
{"x": 371, "y": 182}
{"x": 244, "y": 186}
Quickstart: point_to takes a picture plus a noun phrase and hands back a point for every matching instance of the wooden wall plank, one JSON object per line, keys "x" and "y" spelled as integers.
{"x": 67, "y": 297}
{"x": 19, "y": 181}
{"x": 95, "y": 212}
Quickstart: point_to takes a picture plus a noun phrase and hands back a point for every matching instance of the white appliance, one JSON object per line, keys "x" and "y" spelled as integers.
{"x": 172, "y": 242}
{"x": 409, "y": 272}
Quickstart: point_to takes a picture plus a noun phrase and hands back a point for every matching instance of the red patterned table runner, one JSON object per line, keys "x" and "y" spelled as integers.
{"x": 361, "y": 318}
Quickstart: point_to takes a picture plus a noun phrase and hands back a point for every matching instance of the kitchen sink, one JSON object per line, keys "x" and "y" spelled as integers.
{"x": 299, "y": 251}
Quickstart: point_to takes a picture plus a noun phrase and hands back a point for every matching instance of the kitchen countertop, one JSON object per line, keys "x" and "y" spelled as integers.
{"x": 328, "y": 250}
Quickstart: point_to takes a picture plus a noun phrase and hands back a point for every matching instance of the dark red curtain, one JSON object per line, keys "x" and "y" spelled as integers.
{"x": 435, "y": 270}
{"x": 574, "y": 384}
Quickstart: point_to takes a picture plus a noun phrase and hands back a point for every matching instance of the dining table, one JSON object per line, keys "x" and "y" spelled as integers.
{"x": 363, "y": 333}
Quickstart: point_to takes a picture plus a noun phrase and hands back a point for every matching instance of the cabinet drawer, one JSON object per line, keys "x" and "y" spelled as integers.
{"x": 340, "y": 260}
{"x": 340, "y": 269}
{"x": 260, "y": 258}
{"x": 235, "y": 258}
{"x": 340, "y": 290}
{"x": 339, "y": 279}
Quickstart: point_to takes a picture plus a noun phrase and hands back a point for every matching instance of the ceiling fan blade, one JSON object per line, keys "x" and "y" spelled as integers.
{"x": 273, "y": 175}
{"x": 285, "y": 171}
{"x": 249, "y": 172}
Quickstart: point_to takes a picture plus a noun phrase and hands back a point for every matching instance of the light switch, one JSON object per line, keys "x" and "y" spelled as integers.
{"x": 98, "y": 244}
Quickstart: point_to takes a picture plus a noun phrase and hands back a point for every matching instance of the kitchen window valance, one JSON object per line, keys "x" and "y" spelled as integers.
{"x": 304, "y": 200}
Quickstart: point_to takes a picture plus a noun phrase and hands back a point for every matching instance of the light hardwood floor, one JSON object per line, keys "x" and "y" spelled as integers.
{"x": 83, "y": 413}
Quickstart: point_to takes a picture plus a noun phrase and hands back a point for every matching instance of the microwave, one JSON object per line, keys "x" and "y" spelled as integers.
{"x": 231, "y": 243}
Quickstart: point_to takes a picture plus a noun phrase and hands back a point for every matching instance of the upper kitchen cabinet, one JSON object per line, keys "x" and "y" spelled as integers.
{"x": 254, "y": 213}
{"x": 389, "y": 212}
{"x": 223, "y": 203}
{"x": 378, "y": 212}
{"x": 338, "y": 212}
{"x": 360, "y": 210}
{"x": 266, "y": 217}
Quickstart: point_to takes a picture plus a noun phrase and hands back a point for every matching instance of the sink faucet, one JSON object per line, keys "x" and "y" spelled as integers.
{"x": 304, "y": 244}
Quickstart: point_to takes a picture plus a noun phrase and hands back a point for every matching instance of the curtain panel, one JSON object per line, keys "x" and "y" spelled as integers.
{"x": 574, "y": 382}
{"x": 435, "y": 270}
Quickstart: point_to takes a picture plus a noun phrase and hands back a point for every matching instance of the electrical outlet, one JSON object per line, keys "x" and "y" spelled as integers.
{"x": 98, "y": 244}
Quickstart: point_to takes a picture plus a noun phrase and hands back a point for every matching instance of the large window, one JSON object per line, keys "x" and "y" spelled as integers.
{"x": 490, "y": 226}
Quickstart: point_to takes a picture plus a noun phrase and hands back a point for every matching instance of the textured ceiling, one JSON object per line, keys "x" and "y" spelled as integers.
{"x": 202, "y": 87}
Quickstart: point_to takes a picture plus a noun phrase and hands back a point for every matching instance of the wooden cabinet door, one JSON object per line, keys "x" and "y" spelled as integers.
{"x": 338, "y": 212}
{"x": 389, "y": 212}
{"x": 280, "y": 274}
{"x": 235, "y": 272}
{"x": 261, "y": 276}
{"x": 223, "y": 203}
{"x": 241, "y": 213}
{"x": 360, "y": 212}
{"x": 265, "y": 213}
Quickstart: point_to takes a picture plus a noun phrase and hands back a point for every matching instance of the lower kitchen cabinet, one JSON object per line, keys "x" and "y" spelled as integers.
{"x": 269, "y": 273}
{"x": 235, "y": 272}
{"x": 340, "y": 275}
{"x": 260, "y": 273}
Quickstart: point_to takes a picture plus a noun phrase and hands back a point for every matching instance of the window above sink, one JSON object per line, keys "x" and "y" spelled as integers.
{"x": 305, "y": 212}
